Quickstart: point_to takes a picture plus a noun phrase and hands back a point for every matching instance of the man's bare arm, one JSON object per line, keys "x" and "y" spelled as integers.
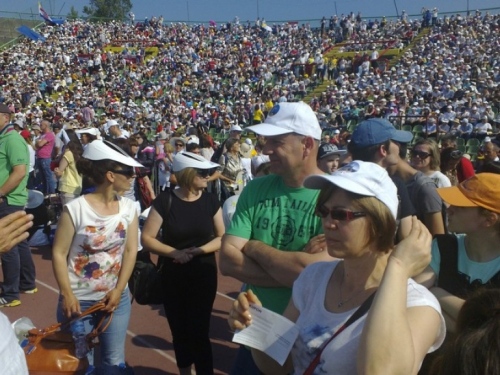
{"x": 283, "y": 266}
{"x": 233, "y": 262}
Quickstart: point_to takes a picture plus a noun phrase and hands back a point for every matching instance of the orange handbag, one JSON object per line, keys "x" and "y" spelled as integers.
{"x": 52, "y": 351}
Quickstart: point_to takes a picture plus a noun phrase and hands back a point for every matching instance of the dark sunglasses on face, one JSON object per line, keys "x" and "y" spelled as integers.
{"x": 179, "y": 145}
{"x": 456, "y": 154}
{"x": 204, "y": 173}
{"x": 340, "y": 214}
{"x": 420, "y": 154}
{"x": 127, "y": 172}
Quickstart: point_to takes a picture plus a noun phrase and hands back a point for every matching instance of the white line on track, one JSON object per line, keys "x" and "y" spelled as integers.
{"x": 132, "y": 334}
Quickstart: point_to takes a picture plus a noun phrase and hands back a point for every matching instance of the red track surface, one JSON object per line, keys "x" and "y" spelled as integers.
{"x": 149, "y": 347}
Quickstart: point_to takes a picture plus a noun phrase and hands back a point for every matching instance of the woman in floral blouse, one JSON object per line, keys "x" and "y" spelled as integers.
{"x": 95, "y": 247}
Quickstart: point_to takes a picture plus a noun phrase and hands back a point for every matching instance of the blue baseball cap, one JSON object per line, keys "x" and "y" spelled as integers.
{"x": 375, "y": 131}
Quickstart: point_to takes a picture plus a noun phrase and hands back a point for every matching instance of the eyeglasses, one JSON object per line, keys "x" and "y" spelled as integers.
{"x": 419, "y": 154}
{"x": 128, "y": 172}
{"x": 339, "y": 214}
{"x": 179, "y": 145}
{"x": 204, "y": 173}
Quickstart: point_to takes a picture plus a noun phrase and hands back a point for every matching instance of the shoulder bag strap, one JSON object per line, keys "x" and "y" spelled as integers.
{"x": 362, "y": 310}
{"x": 38, "y": 334}
{"x": 448, "y": 269}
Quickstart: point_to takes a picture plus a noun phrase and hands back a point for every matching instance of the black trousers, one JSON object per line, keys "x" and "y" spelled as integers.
{"x": 190, "y": 291}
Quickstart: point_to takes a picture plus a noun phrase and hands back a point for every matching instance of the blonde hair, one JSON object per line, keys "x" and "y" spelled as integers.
{"x": 434, "y": 151}
{"x": 168, "y": 148}
{"x": 381, "y": 223}
{"x": 185, "y": 178}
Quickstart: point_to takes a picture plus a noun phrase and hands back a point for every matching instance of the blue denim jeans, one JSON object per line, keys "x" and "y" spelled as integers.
{"x": 113, "y": 339}
{"x": 17, "y": 264}
{"x": 43, "y": 166}
{"x": 244, "y": 363}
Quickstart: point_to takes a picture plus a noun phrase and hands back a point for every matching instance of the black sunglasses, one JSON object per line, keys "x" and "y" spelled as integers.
{"x": 204, "y": 173}
{"x": 340, "y": 214}
{"x": 179, "y": 145}
{"x": 128, "y": 172}
{"x": 456, "y": 154}
{"x": 420, "y": 154}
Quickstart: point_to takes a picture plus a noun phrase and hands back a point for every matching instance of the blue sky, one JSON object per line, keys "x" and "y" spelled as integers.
{"x": 271, "y": 10}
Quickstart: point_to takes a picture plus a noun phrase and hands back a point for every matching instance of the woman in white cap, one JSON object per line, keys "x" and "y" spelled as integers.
{"x": 95, "y": 247}
{"x": 398, "y": 321}
{"x": 192, "y": 227}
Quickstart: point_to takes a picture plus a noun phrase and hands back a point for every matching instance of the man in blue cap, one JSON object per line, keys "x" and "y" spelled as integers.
{"x": 377, "y": 141}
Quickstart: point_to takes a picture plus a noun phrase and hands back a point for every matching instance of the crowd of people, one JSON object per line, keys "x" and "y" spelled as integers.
{"x": 205, "y": 123}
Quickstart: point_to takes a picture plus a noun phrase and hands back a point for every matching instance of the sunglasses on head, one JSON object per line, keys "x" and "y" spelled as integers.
{"x": 340, "y": 214}
{"x": 128, "y": 172}
{"x": 204, "y": 173}
{"x": 420, "y": 154}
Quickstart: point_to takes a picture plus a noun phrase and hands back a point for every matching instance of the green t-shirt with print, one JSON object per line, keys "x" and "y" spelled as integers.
{"x": 279, "y": 216}
{"x": 14, "y": 151}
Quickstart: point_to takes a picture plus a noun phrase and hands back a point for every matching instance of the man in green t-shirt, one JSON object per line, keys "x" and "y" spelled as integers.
{"x": 17, "y": 265}
{"x": 274, "y": 233}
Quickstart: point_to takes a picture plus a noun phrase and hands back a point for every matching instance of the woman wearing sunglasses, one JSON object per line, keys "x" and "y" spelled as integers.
{"x": 95, "y": 247}
{"x": 192, "y": 227}
{"x": 425, "y": 157}
{"x": 358, "y": 204}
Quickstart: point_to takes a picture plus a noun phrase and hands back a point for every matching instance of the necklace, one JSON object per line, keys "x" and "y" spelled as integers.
{"x": 344, "y": 301}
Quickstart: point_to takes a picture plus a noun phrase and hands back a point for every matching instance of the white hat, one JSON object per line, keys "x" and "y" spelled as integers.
{"x": 92, "y": 131}
{"x": 102, "y": 150}
{"x": 286, "y": 118}
{"x": 35, "y": 199}
{"x": 363, "y": 178}
{"x": 246, "y": 150}
{"x": 190, "y": 160}
{"x": 162, "y": 135}
{"x": 236, "y": 128}
{"x": 109, "y": 124}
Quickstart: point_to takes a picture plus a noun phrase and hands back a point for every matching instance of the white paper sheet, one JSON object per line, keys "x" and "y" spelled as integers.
{"x": 269, "y": 332}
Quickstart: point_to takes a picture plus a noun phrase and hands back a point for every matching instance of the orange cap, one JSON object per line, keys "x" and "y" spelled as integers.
{"x": 481, "y": 190}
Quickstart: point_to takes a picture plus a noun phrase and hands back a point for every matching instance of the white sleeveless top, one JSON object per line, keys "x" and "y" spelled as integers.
{"x": 95, "y": 255}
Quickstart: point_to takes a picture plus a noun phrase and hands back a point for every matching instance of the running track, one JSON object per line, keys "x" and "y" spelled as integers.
{"x": 148, "y": 347}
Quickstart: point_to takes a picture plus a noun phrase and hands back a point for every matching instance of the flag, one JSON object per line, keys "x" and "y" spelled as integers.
{"x": 44, "y": 14}
{"x": 47, "y": 18}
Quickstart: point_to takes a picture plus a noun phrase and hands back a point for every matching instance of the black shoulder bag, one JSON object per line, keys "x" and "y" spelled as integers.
{"x": 146, "y": 281}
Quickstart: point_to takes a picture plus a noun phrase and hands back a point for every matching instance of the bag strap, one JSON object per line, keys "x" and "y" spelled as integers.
{"x": 39, "y": 334}
{"x": 362, "y": 310}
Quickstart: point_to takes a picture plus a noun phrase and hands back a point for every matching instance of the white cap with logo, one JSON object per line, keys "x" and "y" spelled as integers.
{"x": 286, "y": 118}
{"x": 363, "y": 178}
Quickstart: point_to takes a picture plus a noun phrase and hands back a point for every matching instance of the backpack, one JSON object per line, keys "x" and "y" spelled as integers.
{"x": 146, "y": 281}
{"x": 450, "y": 278}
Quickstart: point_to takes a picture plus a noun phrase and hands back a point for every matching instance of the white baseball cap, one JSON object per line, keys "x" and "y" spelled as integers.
{"x": 286, "y": 118}
{"x": 109, "y": 124}
{"x": 92, "y": 131}
{"x": 104, "y": 150}
{"x": 236, "y": 128}
{"x": 363, "y": 178}
{"x": 190, "y": 160}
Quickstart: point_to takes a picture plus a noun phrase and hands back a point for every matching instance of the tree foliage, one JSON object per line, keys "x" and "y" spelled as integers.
{"x": 73, "y": 13}
{"x": 108, "y": 9}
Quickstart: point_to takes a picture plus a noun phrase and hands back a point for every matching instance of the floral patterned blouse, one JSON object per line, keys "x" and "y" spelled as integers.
{"x": 95, "y": 255}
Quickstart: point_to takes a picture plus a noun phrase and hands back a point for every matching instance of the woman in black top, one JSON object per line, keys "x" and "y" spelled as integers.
{"x": 192, "y": 227}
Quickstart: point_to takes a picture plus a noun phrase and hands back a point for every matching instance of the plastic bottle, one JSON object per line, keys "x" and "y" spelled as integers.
{"x": 79, "y": 337}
